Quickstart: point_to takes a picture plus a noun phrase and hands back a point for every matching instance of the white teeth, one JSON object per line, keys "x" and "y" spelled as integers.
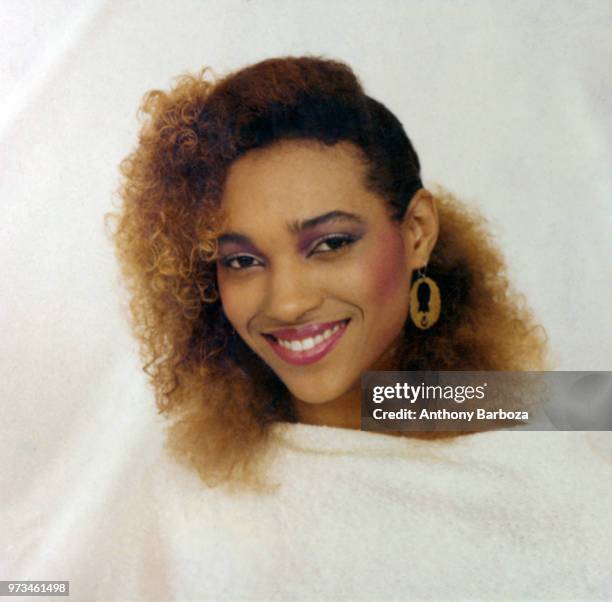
{"x": 309, "y": 343}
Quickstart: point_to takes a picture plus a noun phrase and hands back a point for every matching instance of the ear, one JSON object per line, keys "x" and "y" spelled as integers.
{"x": 420, "y": 227}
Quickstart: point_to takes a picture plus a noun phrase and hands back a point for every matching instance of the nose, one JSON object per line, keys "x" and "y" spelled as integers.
{"x": 291, "y": 293}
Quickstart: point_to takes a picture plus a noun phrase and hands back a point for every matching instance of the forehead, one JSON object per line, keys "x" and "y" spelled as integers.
{"x": 297, "y": 179}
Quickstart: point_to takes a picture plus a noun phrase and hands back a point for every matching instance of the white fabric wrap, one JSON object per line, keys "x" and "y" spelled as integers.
{"x": 355, "y": 516}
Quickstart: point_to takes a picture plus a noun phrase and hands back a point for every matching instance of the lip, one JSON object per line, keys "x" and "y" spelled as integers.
{"x": 303, "y": 332}
{"x": 309, "y": 356}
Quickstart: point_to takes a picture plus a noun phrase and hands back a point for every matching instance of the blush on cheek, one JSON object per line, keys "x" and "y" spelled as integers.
{"x": 386, "y": 269}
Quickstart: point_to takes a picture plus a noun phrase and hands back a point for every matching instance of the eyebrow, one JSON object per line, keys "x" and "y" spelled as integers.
{"x": 298, "y": 226}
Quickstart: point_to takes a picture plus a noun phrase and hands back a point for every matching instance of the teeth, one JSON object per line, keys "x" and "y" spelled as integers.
{"x": 308, "y": 343}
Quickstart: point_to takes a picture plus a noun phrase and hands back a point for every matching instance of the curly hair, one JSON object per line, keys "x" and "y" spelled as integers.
{"x": 223, "y": 397}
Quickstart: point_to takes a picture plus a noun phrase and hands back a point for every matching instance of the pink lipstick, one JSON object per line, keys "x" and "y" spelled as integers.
{"x": 307, "y": 344}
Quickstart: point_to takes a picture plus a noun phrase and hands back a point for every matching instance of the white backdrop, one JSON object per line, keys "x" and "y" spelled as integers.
{"x": 507, "y": 103}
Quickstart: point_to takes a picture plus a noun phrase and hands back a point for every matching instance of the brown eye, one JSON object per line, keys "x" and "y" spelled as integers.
{"x": 240, "y": 262}
{"x": 333, "y": 243}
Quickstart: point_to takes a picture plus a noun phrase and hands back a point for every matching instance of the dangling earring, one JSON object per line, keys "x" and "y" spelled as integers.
{"x": 425, "y": 302}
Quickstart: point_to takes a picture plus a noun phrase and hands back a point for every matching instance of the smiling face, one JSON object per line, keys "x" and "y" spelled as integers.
{"x": 313, "y": 274}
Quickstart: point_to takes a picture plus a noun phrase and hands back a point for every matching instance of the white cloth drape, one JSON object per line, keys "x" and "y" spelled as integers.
{"x": 354, "y": 516}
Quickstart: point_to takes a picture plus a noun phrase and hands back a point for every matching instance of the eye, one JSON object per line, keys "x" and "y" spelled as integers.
{"x": 334, "y": 242}
{"x": 240, "y": 262}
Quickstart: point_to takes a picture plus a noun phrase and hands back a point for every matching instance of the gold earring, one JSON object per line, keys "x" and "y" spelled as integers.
{"x": 425, "y": 302}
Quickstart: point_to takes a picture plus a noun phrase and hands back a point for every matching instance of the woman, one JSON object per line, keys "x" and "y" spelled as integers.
{"x": 274, "y": 224}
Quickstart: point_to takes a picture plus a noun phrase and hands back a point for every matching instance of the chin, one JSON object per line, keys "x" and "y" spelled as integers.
{"x": 321, "y": 394}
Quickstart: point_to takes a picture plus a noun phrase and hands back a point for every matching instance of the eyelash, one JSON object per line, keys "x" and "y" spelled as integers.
{"x": 346, "y": 239}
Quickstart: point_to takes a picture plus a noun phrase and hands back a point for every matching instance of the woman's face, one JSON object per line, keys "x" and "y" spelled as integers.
{"x": 313, "y": 274}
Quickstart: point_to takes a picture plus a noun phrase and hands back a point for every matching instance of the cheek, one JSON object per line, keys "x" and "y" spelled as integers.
{"x": 234, "y": 302}
{"x": 385, "y": 271}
